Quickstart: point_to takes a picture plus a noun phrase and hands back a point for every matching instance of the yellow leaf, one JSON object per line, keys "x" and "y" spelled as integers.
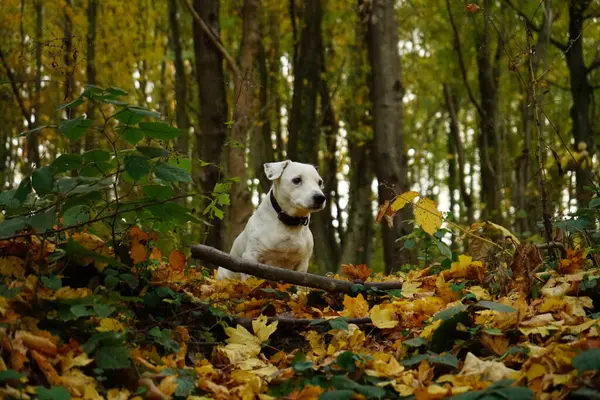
{"x": 382, "y": 317}
{"x": 355, "y": 307}
{"x": 427, "y": 216}
{"x": 535, "y": 371}
{"x": 409, "y": 289}
{"x": 505, "y": 232}
{"x": 262, "y": 330}
{"x": 240, "y": 335}
{"x": 12, "y": 266}
{"x": 428, "y": 331}
{"x": 403, "y": 200}
{"x": 480, "y": 293}
{"x": 110, "y": 325}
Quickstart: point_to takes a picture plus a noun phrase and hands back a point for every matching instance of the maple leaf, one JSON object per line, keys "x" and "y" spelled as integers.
{"x": 138, "y": 252}
{"x": 472, "y": 7}
{"x": 177, "y": 260}
{"x": 355, "y": 307}
{"x": 262, "y": 330}
{"x": 12, "y": 266}
{"x": 427, "y": 216}
{"x": 240, "y": 335}
{"x": 465, "y": 267}
{"x": 486, "y": 370}
{"x": 359, "y": 272}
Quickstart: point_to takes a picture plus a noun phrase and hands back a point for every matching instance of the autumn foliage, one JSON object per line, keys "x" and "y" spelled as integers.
{"x": 164, "y": 328}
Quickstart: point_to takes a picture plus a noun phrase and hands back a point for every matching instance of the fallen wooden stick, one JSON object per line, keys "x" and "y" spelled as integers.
{"x": 271, "y": 273}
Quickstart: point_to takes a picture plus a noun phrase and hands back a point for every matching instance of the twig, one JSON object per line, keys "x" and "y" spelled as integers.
{"x": 15, "y": 90}
{"x": 230, "y": 61}
{"x": 236, "y": 264}
{"x": 553, "y": 245}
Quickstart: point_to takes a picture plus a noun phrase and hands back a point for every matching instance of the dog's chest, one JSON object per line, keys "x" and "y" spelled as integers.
{"x": 285, "y": 250}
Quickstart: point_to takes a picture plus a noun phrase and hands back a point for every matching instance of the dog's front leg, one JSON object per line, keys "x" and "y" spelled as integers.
{"x": 303, "y": 266}
{"x": 250, "y": 256}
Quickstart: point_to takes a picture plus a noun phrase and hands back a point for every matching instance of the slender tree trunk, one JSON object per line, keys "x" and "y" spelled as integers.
{"x": 274, "y": 74}
{"x": 210, "y": 132}
{"x": 245, "y": 106}
{"x": 91, "y": 69}
{"x": 33, "y": 152}
{"x": 458, "y": 146}
{"x": 388, "y": 111}
{"x": 488, "y": 142}
{"x": 262, "y": 145}
{"x": 69, "y": 64}
{"x": 180, "y": 80}
{"x": 581, "y": 92}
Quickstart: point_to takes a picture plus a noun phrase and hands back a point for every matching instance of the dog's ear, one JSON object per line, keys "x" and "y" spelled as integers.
{"x": 275, "y": 169}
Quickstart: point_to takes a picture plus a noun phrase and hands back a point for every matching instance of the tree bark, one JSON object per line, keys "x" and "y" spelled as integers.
{"x": 303, "y": 125}
{"x": 581, "y": 93}
{"x": 210, "y": 132}
{"x": 92, "y": 12}
{"x": 245, "y": 106}
{"x": 488, "y": 142}
{"x": 388, "y": 111}
{"x": 69, "y": 65}
{"x": 180, "y": 81}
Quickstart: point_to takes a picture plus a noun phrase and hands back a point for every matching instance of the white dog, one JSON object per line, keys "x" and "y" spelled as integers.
{"x": 277, "y": 233}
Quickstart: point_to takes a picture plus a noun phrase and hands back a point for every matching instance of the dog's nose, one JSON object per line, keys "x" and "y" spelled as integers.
{"x": 319, "y": 199}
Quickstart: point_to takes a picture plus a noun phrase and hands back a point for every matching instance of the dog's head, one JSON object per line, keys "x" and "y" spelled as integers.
{"x": 298, "y": 187}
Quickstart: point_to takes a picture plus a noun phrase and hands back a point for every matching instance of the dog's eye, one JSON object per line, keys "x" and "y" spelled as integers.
{"x": 297, "y": 180}
{"x": 320, "y": 182}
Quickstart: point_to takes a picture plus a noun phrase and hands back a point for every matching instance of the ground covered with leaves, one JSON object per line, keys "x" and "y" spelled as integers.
{"x": 91, "y": 327}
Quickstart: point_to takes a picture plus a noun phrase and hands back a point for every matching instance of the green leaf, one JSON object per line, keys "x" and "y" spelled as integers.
{"x": 112, "y": 357}
{"x": 445, "y": 250}
{"x": 52, "y": 282}
{"x": 300, "y": 364}
{"x": 588, "y": 360}
{"x": 132, "y": 115}
{"x": 78, "y": 101}
{"x": 137, "y": 166}
{"x": 23, "y": 190}
{"x": 586, "y": 393}
{"x": 344, "y": 383}
{"x": 55, "y": 393}
{"x": 111, "y": 282}
{"x": 74, "y": 248}
{"x": 153, "y": 152}
{"x": 159, "y": 130}
{"x": 75, "y": 128}
{"x": 67, "y": 162}
{"x": 10, "y": 375}
{"x": 163, "y": 338}
{"x": 595, "y": 203}
{"x": 449, "y": 312}
{"x": 76, "y": 215}
{"x": 346, "y": 360}
{"x": 339, "y": 323}
{"x": 11, "y": 226}
{"x": 337, "y": 395}
{"x": 43, "y": 222}
{"x": 130, "y": 134}
{"x": 96, "y": 156}
{"x": 158, "y": 192}
{"x": 115, "y": 91}
{"x": 185, "y": 386}
{"x": 171, "y": 212}
{"x": 102, "y": 310}
{"x": 170, "y": 173}
{"x": 444, "y": 359}
{"x": 42, "y": 180}
{"x": 491, "y": 305}
{"x": 131, "y": 280}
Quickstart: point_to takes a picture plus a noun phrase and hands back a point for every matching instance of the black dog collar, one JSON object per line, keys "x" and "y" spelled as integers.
{"x": 283, "y": 217}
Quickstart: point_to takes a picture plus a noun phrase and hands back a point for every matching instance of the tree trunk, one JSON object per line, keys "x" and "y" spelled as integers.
{"x": 581, "y": 92}
{"x": 245, "y": 106}
{"x": 91, "y": 69}
{"x": 388, "y": 111}
{"x": 488, "y": 142}
{"x": 261, "y": 144}
{"x": 303, "y": 125}
{"x": 33, "y": 152}
{"x": 69, "y": 65}
{"x": 180, "y": 81}
{"x": 274, "y": 74}
{"x": 210, "y": 133}
{"x": 457, "y": 143}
